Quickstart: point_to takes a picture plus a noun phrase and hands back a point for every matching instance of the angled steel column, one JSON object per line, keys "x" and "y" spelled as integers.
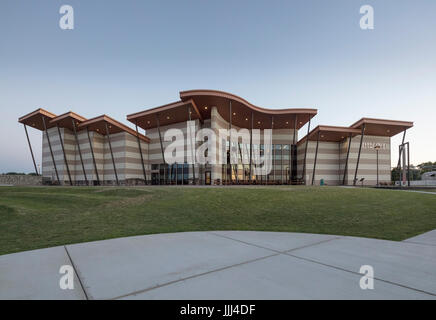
{"x": 346, "y": 161}
{"x": 93, "y": 156}
{"x": 140, "y": 152}
{"x": 192, "y": 148}
{"x": 358, "y": 156}
{"x": 305, "y": 153}
{"x": 273, "y": 150}
{"x": 251, "y": 145}
{"x": 281, "y": 164}
{"x": 51, "y": 150}
{"x": 290, "y": 151}
{"x": 294, "y": 140}
{"x": 112, "y": 154}
{"x": 80, "y": 152}
{"x": 31, "y": 151}
{"x": 408, "y": 165}
{"x": 242, "y": 162}
{"x": 377, "y": 168}
{"x": 230, "y": 146}
{"x": 65, "y": 156}
{"x": 400, "y": 151}
{"x": 161, "y": 147}
{"x": 316, "y": 156}
{"x": 293, "y": 167}
{"x": 230, "y": 141}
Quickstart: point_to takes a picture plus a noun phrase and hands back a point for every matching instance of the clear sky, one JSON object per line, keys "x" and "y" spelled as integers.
{"x": 127, "y": 56}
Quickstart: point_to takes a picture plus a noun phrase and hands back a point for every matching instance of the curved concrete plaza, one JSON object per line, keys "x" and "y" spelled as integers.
{"x": 226, "y": 265}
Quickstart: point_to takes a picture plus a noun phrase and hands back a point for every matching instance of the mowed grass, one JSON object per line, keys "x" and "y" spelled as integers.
{"x": 39, "y": 217}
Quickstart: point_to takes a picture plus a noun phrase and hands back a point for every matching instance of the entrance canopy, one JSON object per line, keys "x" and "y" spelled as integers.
{"x": 202, "y": 101}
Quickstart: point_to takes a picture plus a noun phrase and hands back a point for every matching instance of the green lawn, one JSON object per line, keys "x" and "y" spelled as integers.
{"x": 38, "y": 217}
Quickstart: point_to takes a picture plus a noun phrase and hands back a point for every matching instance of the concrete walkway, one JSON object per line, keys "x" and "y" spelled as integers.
{"x": 226, "y": 265}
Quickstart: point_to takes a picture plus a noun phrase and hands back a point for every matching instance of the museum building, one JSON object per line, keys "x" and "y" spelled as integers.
{"x": 104, "y": 151}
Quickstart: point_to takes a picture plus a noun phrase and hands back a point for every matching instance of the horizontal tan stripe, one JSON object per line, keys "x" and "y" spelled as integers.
{"x": 360, "y": 172}
{"x": 125, "y": 160}
{"x": 97, "y": 151}
{"x": 343, "y": 161}
{"x": 333, "y": 151}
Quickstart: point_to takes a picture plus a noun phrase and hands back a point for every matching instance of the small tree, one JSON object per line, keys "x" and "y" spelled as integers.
{"x": 427, "y": 166}
{"x": 415, "y": 173}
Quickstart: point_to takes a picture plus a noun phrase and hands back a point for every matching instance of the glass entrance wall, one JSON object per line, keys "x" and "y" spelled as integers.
{"x": 282, "y": 165}
{"x": 240, "y": 173}
{"x": 175, "y": 174}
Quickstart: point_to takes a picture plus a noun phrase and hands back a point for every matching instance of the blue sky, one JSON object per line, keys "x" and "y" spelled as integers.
{"x": 126, "y": 56}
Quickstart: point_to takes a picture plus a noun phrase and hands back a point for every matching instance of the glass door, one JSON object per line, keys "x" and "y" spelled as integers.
{"x": 207, "y": 178}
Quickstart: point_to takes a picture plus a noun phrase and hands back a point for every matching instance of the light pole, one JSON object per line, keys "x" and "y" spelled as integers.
{"x": 377, "y": 148}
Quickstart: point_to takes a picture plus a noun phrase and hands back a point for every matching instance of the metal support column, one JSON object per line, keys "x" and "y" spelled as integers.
{"x": 51, "y": 150}
{"x": 400, "y": 151}
{"x": 305, "y": 153}
{"x": 140, "y": 152}
{"x": 251, "y": 146}
{"x": 293, "y": 166}
{"x": 65, "y": 156}
{"x": 80, "y": 152}
{"x": 112, "y": 154}
{"x": 192, "y": 148}
{"x": 161, "y": 148}
{"x": 290, "y": 151}
{"x": 316, "y": 156}
{"x": 294, "y": 138}
{"x": 346, "y": 161}
{"x": 273, "y": 162}
{"x": 230, "y": 146}
{"x": 408, "y": 165}
{"x": 31, "y": 151}
{"x": 376, "y": 150}
{"x": 93, "y": 157}
{"x": 358, "y": 156}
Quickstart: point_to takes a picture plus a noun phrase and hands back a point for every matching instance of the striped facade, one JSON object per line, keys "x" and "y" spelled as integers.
{"x": 331, "y": 160}
{"x": 282, "y": 140}
{"x": 125, "y": 151}
{"x": 104, "y": 151}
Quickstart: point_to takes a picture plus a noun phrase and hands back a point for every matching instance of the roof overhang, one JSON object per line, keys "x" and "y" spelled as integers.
{"x": 330, "y": 134}
{"x": 34, "y": 119}
{"x": 66, "y": 120}
{"x": 168, "y": 114}
{"x": 242, "y": 110}
{"x": 381, "y": 127}
{"x": 101, "y": 123}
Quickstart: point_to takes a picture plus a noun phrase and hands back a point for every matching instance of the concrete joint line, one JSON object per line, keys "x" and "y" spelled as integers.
{"x": 276, "y": 251}
{"x": 420, "y": 243}
{"x": 193, "y": 276}
{"x": 77, "y": 274}
{"x": 359, "y": 274}
{"x": 287, "y": 252}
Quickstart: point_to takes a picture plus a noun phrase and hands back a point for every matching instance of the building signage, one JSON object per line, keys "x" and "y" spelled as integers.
{"x": 372, "y": 145}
